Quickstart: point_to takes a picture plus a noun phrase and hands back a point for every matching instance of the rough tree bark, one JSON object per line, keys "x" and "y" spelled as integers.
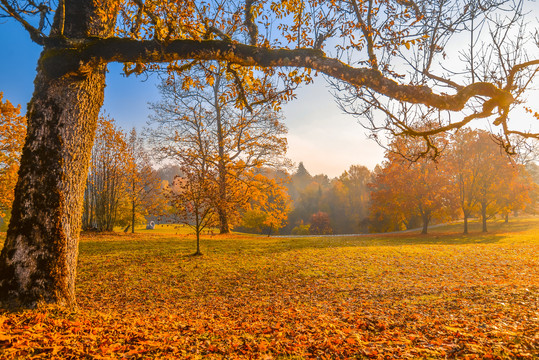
{"x": 38, "y": 261}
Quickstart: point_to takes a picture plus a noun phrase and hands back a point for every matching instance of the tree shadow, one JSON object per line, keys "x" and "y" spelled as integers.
{"x": 447, "y": 239}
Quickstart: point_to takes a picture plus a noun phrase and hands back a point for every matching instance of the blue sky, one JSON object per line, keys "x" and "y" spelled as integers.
{"x": 326, "y": 140}
{"x": 320, "y": 135}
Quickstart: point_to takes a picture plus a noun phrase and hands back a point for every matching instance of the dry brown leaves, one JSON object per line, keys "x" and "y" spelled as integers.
{"x": 334, "y": 298}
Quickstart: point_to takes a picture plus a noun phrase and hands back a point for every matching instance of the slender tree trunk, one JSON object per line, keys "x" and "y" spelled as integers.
{"x": 198, "y": 243}
{"x": 484, "y": 216}
{"x": 507, "y": 217}
{"x": 39, "y": 258}
{"x": 198, "y": 231}
{"x": 224, "y": 227}
{"x": 133, "y": 211}
{"x": 86, "y": 214}
{"x": 465, "y": 223}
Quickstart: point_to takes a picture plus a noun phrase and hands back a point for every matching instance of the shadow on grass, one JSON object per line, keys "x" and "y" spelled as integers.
{"x": 384, "y": 241}
{"x": 184, "y": 247}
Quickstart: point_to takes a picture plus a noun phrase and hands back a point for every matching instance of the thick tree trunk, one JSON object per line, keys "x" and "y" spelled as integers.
{"x": 224, "y": 228}
{"x": 38, "y": 261}
{"x": 39, "y": 257}
{"x": 507, "y": 217}
{"x": 426, "y": 220}
{"x": 465, "y": 223}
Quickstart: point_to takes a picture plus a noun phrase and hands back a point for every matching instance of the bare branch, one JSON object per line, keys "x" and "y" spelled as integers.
{"x": 515, "y": 69}
{"x": 35, "y": 34}
{"x": 367, "y": 32}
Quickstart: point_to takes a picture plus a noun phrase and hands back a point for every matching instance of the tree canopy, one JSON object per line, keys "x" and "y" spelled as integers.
{"x": 374, "y": 50}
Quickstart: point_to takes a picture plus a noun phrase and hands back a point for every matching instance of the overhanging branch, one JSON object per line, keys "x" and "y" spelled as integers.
{"x": 68, "y": 59}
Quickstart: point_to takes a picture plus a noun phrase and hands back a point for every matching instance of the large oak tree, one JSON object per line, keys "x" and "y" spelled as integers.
{"x": 354, "y": 42}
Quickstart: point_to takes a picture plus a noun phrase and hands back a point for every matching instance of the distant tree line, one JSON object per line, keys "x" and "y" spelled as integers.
{"x": 471, "y": 178}
{"x": 324, "y": 206}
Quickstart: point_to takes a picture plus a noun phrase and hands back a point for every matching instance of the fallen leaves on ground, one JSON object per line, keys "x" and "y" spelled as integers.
{"x": 143, "y": 296}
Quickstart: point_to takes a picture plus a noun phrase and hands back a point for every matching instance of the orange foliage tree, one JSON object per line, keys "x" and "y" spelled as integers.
{"x": 12, "y": 134}
{"x": 487, "y": 179}
{"x": 108, "y": 180}
{"x": 200, "y": 116}
{"x": 519, "y": 192}
{"x": 403, "y": 190}
{"x": 320, "y": 224}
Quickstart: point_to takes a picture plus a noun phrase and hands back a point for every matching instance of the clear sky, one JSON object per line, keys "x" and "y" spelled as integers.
{"x": 326, "y": 140}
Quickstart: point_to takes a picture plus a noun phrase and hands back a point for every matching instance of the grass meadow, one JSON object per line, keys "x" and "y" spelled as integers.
{"x": 406, "y": 296}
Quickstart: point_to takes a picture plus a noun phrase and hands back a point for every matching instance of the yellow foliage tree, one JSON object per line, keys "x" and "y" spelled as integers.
{"x": 12, "y": 134}
{"x": 108, "y": 180}
{"x": 269, "y": 204}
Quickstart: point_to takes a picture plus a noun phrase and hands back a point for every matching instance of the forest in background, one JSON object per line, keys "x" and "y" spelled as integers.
{"x": 472, "y": 178}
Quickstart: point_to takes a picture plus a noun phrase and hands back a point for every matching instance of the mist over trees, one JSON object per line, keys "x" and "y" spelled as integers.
{"x": 344, "y": 200}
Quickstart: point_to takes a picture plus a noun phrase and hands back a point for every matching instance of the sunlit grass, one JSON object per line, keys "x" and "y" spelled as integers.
{"x": 439, "y": 295}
